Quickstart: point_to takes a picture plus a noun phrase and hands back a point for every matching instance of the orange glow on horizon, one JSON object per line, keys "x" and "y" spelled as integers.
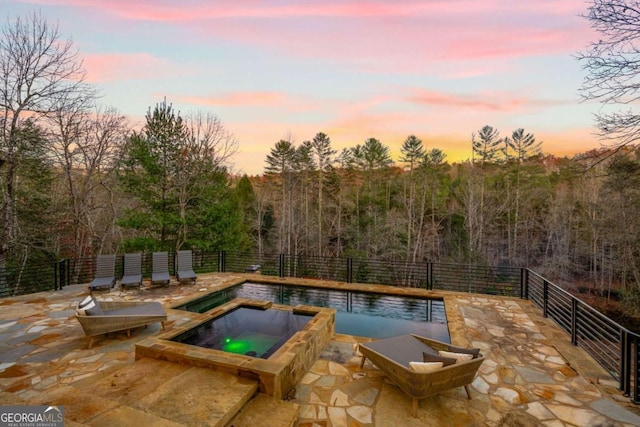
{"x": 251, "y": 156}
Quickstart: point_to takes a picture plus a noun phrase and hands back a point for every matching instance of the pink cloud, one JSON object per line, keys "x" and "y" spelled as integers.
{"x": 399, "y": 45}
{"x": 195, "y": 10}
{"x": 239, "y": 99}
{"x": 392, "y": 36}
{"x": 496, "y": 101}
{"x": 173, "y": 12}
{"x": 460, "y": 70}
{"x": 275, "y": 102}
{"x": 127, "y": 66}
{"x": 476, "y": 44}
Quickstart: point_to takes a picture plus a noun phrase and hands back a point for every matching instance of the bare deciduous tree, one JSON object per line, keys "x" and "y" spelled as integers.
{"x": 210, "y": 140}
{"x": 613, "y": 68}
{"x": 39, "y": 73}
{"x": 85, "y": 143}
{"x": 208, "y": 147}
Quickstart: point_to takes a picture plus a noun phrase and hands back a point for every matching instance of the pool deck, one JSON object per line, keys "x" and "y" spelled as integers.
{"x": 532, "y": 375}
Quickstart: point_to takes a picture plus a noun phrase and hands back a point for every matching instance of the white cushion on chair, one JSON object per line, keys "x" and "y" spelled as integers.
{"x": 82, "y": 309}
{"x": 424, "y": 367}
{"x": 460, "y": 357}
{"x": 85, "y": 301}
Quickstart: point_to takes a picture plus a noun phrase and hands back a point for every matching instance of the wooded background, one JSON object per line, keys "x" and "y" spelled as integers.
{"x": 77, "y": 181}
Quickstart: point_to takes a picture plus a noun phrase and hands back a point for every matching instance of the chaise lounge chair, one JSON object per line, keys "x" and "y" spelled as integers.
{"x": 160, "y": 268}
{"x": 184, "y": 266}
{"x": 394, "y": 356}
{"x": 105, "y": 273}
{"x": 132, "y": 271}
{"x": 101, "y": 317}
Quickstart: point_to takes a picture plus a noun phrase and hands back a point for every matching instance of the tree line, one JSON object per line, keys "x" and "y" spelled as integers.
{"x": 571, "y": 218}
{"x": 77, "y": 180}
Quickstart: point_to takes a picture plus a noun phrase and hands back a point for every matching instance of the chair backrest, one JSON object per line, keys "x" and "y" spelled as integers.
{"x": 160, "y": 262}
{"x": 132, "y": 264}
{"x": 185, "y": 260}
{"x": 106, "y": 265}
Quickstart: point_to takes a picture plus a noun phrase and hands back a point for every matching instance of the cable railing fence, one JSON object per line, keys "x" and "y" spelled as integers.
{"x": 610, "y": 344}
{"x": 613, "y": 346}
{"x": 28, "y": 279}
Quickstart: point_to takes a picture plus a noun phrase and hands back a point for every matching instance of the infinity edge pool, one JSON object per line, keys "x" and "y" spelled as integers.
{"x": 361, "y": 311}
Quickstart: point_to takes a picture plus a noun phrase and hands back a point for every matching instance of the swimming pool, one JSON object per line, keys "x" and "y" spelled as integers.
{"x": 363, "y": 314}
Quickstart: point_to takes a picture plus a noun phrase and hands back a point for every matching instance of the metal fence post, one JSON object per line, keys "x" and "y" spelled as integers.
{"x": 625, "y": 362}
{"x": 574, "y": 321}
{"x": 349, "y": 270}
{"x": 545, "y": 297}
{"x": 61, "y": 274}
{"x": 56, "y": 278}
{"x": 222, "y": 261}
{"x": 67, "y": 272}
{"x": 281, "y": 265}
{"x": 636, "y": 371}
{"x": 524, "y": 283}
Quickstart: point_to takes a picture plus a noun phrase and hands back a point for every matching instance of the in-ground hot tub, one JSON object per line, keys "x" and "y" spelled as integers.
{"x": 250, "y": 331}
{"x": 273, "y": 343}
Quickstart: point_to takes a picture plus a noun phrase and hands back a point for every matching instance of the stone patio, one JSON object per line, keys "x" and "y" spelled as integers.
{"x": 532, "y": 375}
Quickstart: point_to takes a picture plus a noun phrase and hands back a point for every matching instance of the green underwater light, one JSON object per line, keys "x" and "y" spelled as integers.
{"x": 236, "y": 346}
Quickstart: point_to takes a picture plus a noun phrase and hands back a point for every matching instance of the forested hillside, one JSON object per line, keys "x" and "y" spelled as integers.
{"x": 168, "y": 187}
{"x": 78, "y": 180}
{"x": 574, "y": 219}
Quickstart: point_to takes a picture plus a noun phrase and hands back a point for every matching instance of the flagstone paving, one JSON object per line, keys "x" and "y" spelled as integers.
{"x": 532, "y": 375}
{"x": 525, "y": 381}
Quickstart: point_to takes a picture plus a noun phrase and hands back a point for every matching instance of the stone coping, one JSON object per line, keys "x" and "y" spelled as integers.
{"x": 277, "y": 375}
{"x": 323, "y": 284}
{"x": 455, "y": 321}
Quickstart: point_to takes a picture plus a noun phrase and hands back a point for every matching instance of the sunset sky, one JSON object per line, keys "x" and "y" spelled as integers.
{"x": 439, "y": 69}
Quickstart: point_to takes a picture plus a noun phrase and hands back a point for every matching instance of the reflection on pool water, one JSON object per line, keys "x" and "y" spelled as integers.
{"x": 248, "y": 331}
{"x": 358, "y": 313}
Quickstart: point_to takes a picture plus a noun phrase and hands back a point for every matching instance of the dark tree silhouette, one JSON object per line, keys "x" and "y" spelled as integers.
{"x": 40, "y": 74}
{"x": 612, "y": 64}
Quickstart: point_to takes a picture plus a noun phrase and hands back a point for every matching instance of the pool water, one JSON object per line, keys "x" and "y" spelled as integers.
{"x": 249, "y": 343}
{"x": 357, "y": 313}
{"x": 249, "y": 331}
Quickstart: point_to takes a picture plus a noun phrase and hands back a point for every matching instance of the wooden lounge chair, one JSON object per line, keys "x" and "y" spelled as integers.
{"x": 105, "y": 273}
{"x": 110, "y": 316}
{"x": 393, "y": 355}
{"x": 184, "y": 266}
{"x": 160, "y": 268}
{"x": 132, "y": 271}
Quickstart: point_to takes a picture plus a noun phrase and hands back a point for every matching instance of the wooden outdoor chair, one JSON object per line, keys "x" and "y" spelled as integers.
{"x": 101, "y": 317}
{"x": 394, "y": 357}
